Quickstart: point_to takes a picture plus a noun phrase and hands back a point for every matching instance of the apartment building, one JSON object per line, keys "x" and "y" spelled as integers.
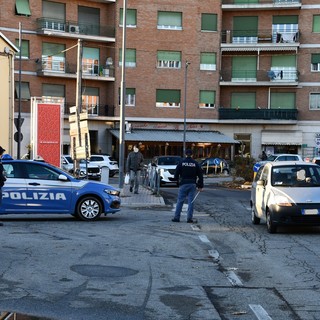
{"x": 211, "y": 72}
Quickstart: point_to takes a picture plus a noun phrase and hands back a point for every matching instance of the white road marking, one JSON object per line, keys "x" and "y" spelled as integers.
{"x": 233, "y": 278}
{"x": 195, "y": 227}
{"x": 259, "y": 312}
{"x": 204, "y": 238}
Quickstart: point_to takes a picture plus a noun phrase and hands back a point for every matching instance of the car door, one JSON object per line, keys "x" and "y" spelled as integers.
{"x": 45, "y": 192}
{"x": 14, "y": 190}
{"x": 260, "y": 191}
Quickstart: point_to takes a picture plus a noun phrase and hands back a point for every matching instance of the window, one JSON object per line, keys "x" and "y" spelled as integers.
{"x": 316, "y": 23}
{"x": 245, "y": 30}
{"x": 244, "y": 69}
{"x": 283, "y": 100}
{"x": 314, "y": 101}
{"x": 90, "y": 61}
{"x": 54, "y": 15}
{"x": 25, "y": 53}
{"x": 130, "y": 58}
{"x": 90, "y": 100}
{"x": 208, "y": 61}
{"x": 169, "y": 59}
{"x": 208, "y": 22}
{"x": 283, "y": 68}
{"x": 89, "y": 20}
{"x": 25, "y": 90}
{"x": 168, "y": 98}
{"x": 130, "y": 97}
{"x": 243, "y": 100}
{"x": 170, "y": 20}
{"x": 53, "y": 57}
{"x": 315, "y": 62}
{"x": 207, "y": 99}
{"x": 284, "y": 28}
{"x": 23, "y": 8}
{"x": 131, "y": 17}
{"x": 53, "y": 93}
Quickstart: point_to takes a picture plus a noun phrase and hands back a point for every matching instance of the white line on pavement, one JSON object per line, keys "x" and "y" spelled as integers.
{"x": 260, "y": 313}
{"x": 233, "y": 278}
{"x": 204, "y": 238}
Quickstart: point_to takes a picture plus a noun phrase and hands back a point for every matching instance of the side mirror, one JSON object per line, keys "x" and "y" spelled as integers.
{"x": 260, "y": 183}
{"x": 62, "y": 177}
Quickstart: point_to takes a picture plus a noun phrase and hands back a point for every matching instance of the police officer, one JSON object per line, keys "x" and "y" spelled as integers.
{"x": 2, "y": 176}
{"x": 190, "y": 178}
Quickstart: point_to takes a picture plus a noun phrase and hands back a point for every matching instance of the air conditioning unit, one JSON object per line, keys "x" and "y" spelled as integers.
{"x": 73, "y": 29}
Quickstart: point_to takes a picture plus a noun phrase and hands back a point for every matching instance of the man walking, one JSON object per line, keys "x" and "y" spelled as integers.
{"x": 189, "y": 175}
{"x": 2, "y": 176}
{"x": 133, "y": 167}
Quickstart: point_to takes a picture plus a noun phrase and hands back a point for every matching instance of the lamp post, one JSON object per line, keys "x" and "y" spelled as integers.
{"x": 185, "y": 107}
{"x": 123, "y": 98}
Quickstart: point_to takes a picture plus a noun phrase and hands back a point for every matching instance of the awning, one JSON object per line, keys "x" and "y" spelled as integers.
{"x": 239, "y": 48}
{"x": 281, "y": 137}
{"x": 142, "y": 135}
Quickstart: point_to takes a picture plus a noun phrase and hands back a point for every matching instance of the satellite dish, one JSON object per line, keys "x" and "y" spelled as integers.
{"x": 109, "y": 61}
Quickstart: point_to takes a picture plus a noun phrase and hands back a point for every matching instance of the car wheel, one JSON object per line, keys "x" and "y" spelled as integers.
{"x": 89, "y": 208}
{"x": 254, "y": 218}
{"x": 271, "y": 226}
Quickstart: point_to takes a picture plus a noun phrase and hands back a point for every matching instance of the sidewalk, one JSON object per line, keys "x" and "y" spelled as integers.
{"x": 145, "y": 198}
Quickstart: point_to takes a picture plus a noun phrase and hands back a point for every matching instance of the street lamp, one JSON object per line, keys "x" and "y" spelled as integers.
{"x": 185, "y": 107}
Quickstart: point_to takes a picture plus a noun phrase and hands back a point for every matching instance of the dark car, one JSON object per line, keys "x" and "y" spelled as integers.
{"x": 214, "y": 165}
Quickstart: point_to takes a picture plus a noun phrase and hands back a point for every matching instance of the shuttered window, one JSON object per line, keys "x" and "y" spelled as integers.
{"x": 23, "y": 8}
{"x": 316, "y": 23}
{"x": 168, "y": 96}
{"x": 245, "y": 26}
{"x": 243, "y": 100}
{"x": 169, "y": 20}
{"x": 209, "y": 22}
{"x": 131, "y": 17}
{"x": 25, "y": 90}
{"x": 130, "y": 58}
{"x": 284, "y": 61}
{"x": 244, "y": 67}
{"x": 207, "y": 98}
{"x": 283, "y": 100}
{"x": 24, "y": 48}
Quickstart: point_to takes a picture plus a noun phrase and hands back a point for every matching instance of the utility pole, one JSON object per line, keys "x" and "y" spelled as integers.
{"x": 122, "y": 141}
{"x": 19, "y": 90}
{"x": 185, "y": 107}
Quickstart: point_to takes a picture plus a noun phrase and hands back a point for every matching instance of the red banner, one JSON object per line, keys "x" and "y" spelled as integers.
{"x": 49, "y": 132}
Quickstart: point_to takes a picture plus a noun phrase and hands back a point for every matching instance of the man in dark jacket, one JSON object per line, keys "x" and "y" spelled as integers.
{"x": 133, "y": 167}
{"x": 2, "y": 176}
{"x": 189, "y": 175}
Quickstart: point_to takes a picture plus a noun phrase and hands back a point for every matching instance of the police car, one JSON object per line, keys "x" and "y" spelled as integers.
{"x": 37, "y": 187}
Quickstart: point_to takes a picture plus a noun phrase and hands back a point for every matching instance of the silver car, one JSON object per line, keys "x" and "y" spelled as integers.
{"x": 286, "y": 193}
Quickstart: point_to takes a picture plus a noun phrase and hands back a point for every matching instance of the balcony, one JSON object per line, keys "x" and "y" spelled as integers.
{"x": 94, "y": 111}
{"x": 258, "y": 114}
{"x": 257, "y": 40}
{"x": 276, "y": 76}
{"x": 76, "y": 30}
{"x": 57, "y": 67}
{"x": 260, "y": 4}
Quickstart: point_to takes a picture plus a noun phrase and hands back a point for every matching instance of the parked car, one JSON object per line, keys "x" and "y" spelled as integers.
{"x": 39, "y": 188}
{"x": 94, "y": 171}
{"x": 282, "y": 157}
{"x": 214, "y": 165}
{"x": 285, "y": 193}
{"x": 104, "y": 160}
{"x": 166, "y": 167}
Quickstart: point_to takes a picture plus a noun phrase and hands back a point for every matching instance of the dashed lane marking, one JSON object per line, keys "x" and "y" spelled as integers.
{"x": 259, "y": 312}
{"x": 214, "y": 254}
{"x": 204, "y": 238}
{"x": 233, "y": 278}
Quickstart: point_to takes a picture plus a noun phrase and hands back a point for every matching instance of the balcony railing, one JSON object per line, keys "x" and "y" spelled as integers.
{"x": 59, "y": 65}
{"x": 274, "y": 75}
{"x": 259, "y": 36}
{"x": 93, "y": 110}
{"x": 75, "y": 28}
{"x": 262, "y": 114}
{"x": 251, "y": 2}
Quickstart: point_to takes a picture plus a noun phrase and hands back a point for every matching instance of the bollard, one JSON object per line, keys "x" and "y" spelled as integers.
{"x": 105, "y": 175}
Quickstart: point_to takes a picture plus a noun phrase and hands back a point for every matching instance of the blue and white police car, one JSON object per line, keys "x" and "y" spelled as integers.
{"x": 37, "y": 187}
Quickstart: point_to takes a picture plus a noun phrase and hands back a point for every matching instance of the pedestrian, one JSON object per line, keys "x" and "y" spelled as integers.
{"x": 133, "y": 167}
{"x": 2, "y": 176}
{"x": 190, "y": 178}
{"x": 263, "y": 156}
